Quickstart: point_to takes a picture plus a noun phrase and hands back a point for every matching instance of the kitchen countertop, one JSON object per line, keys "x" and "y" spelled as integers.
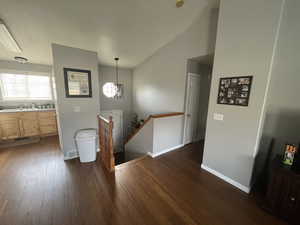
{"x": 24, "y": 110}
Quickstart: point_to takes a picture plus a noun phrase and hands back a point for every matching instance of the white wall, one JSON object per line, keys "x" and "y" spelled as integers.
{"x": 246, "y": 38}
{"x": 27, "y": 68}
{"x": 69, "y": 120}
{"x": 108, "y": 74}
{"x": 141, "y": 143}
{"x": 159, "y": 82}
{"x": 283, "y": 108}
{"x": 156, "y": 137}
{"x": 282, "y": 120}
{"x": 167, "y": 133}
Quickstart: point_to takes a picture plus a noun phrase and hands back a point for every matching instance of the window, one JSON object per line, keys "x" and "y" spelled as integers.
{"x": 25, "y": 87}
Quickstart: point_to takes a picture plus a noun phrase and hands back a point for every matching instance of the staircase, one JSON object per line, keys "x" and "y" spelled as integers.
{"x": 159, "y": 133}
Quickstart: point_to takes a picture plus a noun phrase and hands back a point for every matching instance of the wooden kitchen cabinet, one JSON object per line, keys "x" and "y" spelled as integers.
{"x": 47, "y": 123}
{"x": 10, "y": 126}
{"x": 27, "y": 124}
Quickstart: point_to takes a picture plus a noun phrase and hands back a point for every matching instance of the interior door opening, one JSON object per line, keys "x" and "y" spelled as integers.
{"x": 196, "y": 100}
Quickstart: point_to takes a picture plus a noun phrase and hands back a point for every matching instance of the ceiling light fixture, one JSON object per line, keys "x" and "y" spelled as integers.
{"x": 179, "y": 3}
{"x": 21, "y": 59}
{"x": 119, "y": 87}
{"x": 7, "y": 40}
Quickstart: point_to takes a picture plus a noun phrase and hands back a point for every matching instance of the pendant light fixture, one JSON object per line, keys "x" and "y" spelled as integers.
{"x": 179, "y": 3}
{"x": 118, "y": 86}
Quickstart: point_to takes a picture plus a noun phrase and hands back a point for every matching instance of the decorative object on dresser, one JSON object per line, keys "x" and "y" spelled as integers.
{"x": 289, "y": 154}
{"x": 283, "y": 194}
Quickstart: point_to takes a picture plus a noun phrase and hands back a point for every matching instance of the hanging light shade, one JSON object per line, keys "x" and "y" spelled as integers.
{"x": 119, "y": 87}
{"x": 179, "y": 3}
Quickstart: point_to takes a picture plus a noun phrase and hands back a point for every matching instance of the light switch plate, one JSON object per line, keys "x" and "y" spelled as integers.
{"x": 218, "y": 116}
{"x": 76, "y": 108}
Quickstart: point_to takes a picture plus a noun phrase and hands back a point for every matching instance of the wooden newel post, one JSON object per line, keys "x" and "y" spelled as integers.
{"x": 106, "y": 143}
{"x": 111, "y": 145}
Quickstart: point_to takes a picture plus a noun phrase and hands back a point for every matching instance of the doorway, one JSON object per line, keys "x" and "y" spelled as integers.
{"x": 192, "y": 108}
{"x": 196, "y": 102}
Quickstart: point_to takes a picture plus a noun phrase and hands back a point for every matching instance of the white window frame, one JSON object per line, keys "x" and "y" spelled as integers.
{"x": 51, "y": 99}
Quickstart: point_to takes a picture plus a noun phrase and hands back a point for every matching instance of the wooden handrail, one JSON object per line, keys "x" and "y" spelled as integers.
{"x": 154, "y": 116}
{"x": 106, "y": 143}
{"x": 167, "y": 114}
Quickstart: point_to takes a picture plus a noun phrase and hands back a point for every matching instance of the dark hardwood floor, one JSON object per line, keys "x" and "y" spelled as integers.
{"x": 38, "y": 188}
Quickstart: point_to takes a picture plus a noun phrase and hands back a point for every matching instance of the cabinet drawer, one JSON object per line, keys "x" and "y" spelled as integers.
{"x": 28, "y": 115}
{"x": 8, "y": 116}
{"x": 47, "y": 114}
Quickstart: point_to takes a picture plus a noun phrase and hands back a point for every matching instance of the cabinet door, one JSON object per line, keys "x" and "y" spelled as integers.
{"x": 29, "y": 124}
{"x": 290, "y": 205}
{"x": 47, "y": 123}
{"x": 10, "y": 126}
{"x": 278, "y": 186}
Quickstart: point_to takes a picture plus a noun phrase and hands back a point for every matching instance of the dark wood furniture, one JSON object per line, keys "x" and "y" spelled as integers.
{"x": 283, "y": 196}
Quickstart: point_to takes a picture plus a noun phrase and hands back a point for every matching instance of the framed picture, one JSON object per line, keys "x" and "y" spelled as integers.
{"x": 234, "y": 90}
{"x": 289, "y": 154}
{"x": 78, "y": 83}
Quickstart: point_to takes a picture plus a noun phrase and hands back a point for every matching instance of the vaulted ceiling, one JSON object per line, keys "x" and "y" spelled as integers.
{"x": 130, "y": 29}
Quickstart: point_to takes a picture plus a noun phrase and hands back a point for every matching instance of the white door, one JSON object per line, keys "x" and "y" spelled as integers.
{"x": 192, "y": 104}
{"x": 117, "y": 117}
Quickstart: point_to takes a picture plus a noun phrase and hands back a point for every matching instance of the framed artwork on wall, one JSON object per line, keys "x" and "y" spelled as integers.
{"x": 78, "y": 83}
{"x": 234, "y": 90}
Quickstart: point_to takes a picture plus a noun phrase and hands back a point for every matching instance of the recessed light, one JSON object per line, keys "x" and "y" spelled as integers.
{"x": 21, "y": 59}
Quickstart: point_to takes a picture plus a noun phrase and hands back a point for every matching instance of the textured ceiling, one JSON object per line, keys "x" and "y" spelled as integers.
{"x": 130, "y": 29}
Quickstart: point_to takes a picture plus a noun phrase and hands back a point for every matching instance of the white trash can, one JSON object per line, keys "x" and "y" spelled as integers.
{"x": 86, "y": 143}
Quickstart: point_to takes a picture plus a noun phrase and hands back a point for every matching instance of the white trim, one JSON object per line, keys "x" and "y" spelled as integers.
{"x": 227, "y": 179}
{"x": 71, "y": 157}
{"x": 75, "y": 154}
{"x": 153, "y": 155}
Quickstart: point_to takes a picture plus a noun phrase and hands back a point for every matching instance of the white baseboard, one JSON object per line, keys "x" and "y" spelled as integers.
{"x": 227, "y": 179}
{"x": 153, "y": 155}
{"x": 73, "y": 154}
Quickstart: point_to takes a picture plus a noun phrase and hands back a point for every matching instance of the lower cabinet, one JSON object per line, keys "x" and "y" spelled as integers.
{"x": 47, "y": 123}
{"x": 283, "y": 195}
{"x": 10, "y": 126}
{"x": 291, "y": 203}
{"x": 27, "y": 124}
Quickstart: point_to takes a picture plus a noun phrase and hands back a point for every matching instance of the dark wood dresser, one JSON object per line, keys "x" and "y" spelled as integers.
{"x": 283, "y": 195}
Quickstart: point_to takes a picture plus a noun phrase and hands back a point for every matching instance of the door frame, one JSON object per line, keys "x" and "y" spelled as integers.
{"x": 186, "y": 104}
